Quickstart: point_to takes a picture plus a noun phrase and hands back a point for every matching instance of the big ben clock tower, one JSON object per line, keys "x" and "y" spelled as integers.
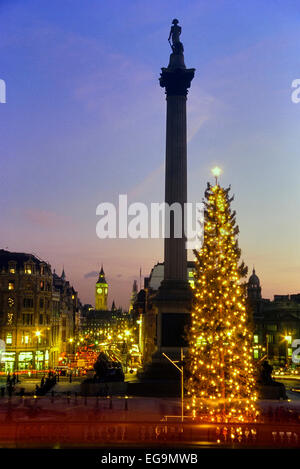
{"x": 101, "y": 290}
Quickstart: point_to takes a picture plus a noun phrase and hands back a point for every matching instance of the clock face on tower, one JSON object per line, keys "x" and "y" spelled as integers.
{"x": 99, "y": 290}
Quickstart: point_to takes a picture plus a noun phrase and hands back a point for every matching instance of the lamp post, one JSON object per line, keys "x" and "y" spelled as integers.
{"x": 288, "y": 341}
{"x": 180, "y": 369}
{"x": 37, "y": 334}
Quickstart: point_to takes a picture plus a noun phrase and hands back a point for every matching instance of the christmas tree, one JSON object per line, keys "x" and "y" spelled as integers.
{"x": 221, "y": 383}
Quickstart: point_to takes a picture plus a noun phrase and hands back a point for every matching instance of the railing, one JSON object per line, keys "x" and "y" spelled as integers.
{"x": 100, "y": 421}
{"x": 49, "y": 433}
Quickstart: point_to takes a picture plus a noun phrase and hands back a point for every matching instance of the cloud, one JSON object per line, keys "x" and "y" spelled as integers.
{"x": 91, "y": 274}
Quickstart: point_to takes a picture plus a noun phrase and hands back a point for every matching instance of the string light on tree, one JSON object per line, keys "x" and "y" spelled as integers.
{"x": 221, "y": 383}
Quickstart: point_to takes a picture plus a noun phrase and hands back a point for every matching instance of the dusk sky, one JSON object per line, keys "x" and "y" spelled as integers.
{"x": 84, "y": 122}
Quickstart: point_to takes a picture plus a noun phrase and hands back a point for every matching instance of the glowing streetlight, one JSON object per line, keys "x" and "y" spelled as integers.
{"x": 216, "y": 171}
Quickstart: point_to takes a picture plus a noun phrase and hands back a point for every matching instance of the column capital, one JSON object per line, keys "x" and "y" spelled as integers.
{"x": 176, "y": 81}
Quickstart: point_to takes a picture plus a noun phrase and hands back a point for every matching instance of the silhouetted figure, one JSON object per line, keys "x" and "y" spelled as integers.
{"x": 266, "y": 372}
{"x": 266, "y": 380}
{"x": 10, "y": 389}
{"x": 177, "y": 46}
{"x": 101, "y": 365}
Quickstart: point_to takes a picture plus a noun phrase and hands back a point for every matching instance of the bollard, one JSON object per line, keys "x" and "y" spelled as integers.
{"x": 126, "y": 403}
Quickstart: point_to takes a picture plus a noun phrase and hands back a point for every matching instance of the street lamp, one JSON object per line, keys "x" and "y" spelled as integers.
{"x": 180, "y": 369}
{"x": 288, "y": 341}
{"x": 37, "y": 334}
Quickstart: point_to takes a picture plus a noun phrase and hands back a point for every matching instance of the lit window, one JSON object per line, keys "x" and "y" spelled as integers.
{"x": 255, "y": 353}
{"x": 9, "y": 338}
{"x": 255, "y": 339}
{"x": 11, "y": 285}
{"x": 28, "y": 269}
{"x": 12, "y": 270}
{"x": 26, "y": 339}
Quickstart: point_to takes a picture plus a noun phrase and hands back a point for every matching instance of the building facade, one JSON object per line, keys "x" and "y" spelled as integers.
{"x": 25, "y": 311}
{"x": 39, "y": 314}
{"x": 276, "y": 324}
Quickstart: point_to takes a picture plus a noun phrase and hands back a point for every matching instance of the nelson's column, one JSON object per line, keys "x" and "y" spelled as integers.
{"x": 173, "y": 301}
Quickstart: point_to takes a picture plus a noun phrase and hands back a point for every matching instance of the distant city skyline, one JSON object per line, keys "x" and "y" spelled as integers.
{"x": 84, "y": 121}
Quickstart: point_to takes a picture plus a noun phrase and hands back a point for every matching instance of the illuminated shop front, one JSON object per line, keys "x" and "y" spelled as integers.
{"x": 8, "y": 361}
{"x": 25, "y": 361}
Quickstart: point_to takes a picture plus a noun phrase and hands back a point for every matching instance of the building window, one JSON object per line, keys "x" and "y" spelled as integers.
{"x": 9, "y": 338}
{"x": 41, "y": 319}
{"x": 11, "y": 285}
{"x": 28, "y": 302}
{"x": 12, "y": 270}
{"x": 270, "y": 338}
{"x": 25, "y": 338}
{"x": 27, "y": 319}
{"x": 255, "y": 339}
{"x": 41, "y": 303}
{"x": 255, "y": 354}
{"x": 28, "y": 269}
{"x": 42, "y": 285}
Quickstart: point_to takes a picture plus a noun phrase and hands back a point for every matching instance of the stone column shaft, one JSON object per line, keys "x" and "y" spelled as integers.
{"x": 176, "y": 185}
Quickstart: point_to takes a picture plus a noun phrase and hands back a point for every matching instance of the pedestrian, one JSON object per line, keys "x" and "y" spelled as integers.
{"x": 10, "y": 389}
{"x": 14, "y": 378}
{"x": 8, "y": 378}
{"x": 42, "y": 381}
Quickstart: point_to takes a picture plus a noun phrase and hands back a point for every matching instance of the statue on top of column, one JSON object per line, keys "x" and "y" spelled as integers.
{"x": 177, "y": 46}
